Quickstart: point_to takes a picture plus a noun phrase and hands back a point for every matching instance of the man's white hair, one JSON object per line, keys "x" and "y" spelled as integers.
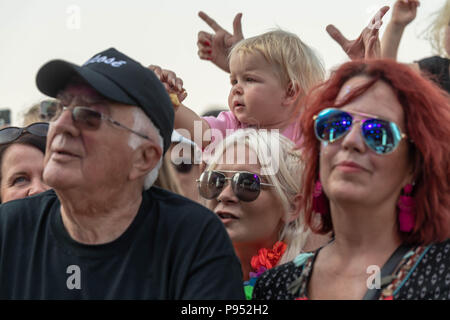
{"x": 143, "y": 124}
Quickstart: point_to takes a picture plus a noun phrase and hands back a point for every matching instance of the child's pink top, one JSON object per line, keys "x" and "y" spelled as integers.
{"x": 227, "y": 123}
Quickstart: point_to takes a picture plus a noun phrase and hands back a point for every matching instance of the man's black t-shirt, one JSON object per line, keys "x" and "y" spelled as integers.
{"x": 173, "y": 249}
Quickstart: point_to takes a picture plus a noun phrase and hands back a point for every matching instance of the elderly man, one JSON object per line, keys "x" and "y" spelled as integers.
{"x": 104, "y": 233}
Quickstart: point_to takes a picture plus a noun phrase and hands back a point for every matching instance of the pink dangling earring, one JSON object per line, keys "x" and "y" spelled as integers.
{"x": 320, "y": 202}
{"x": 406, "y": 213}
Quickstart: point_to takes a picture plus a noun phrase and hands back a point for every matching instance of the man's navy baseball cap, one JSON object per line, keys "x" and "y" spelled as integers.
{"x": 118, "y": 78}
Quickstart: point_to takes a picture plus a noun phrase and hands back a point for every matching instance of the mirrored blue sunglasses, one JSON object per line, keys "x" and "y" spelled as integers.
{"x": 380, "y": 135}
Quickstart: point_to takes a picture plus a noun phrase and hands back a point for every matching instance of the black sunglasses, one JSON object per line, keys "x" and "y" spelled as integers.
{"x": 10, "y": 134}
{"x": 183, "y": 167}
{"x": 48, "y": 109}
{"x": 186, "y": 164}
{"x": 84, "y": 117}
{"x": 246, "y": 185}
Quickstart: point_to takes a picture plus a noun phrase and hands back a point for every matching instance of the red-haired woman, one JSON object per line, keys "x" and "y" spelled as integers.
{"x": 377, "y": 157}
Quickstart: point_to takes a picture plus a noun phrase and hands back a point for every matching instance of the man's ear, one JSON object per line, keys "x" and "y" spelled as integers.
{"x": 145, "y": 158}
{"x": 293, "y": 92}
{"x": 294, "y": 211}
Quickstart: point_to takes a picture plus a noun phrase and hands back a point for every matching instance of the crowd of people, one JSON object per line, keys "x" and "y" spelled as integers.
{"x": 114, "y": 189}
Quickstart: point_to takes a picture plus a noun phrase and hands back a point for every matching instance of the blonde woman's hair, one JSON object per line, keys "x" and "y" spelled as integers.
{"x": 34, "y": 114}
{"x": 435, "y": 33}
{"x": 294, "y": 61}
{"x": 281, "y": 164}
{"x": 167, "y": 178}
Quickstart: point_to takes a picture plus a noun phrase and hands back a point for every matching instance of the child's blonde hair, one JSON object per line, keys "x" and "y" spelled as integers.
{"x": 293, "y": 60}
{"x": 435, "y": 33}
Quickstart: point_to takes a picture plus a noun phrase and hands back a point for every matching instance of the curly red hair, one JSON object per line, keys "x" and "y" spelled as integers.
{"x": 427, "y": 118}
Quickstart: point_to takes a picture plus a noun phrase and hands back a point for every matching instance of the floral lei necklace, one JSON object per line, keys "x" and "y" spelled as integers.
{"x": 264, "y": 260}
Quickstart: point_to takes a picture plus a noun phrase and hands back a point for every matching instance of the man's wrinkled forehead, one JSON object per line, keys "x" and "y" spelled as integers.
{"x": 80, "y": 90}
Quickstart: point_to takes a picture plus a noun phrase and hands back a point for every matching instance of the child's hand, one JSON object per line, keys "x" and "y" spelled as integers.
{"x": 215, "y": 47}
{"x": 173, "y": 84}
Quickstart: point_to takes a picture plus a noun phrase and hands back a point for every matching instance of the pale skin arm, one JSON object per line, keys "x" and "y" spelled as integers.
{"x": 185, "y": 118}
{"x": 404, "y": 12}
{"x": 216, "y": 47}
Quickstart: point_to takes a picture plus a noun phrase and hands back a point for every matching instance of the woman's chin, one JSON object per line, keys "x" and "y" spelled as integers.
{"x": 347, "y": 194}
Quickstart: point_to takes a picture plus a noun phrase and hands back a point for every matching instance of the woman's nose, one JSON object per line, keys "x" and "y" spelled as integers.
{"x": 227, "y": 194}
{"x": 354, "y": 140}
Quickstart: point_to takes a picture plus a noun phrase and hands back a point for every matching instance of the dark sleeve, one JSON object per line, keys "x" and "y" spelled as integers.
{"x": 272, "y": 284}
{"x": 215, "y": 271}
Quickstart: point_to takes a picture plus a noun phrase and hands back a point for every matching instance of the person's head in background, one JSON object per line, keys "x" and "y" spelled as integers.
{"x": 259, "y": 206}
{"x": 439, "y": 31}
{"x": 22, "y": 161}
{"x": 269, "y": 75}
{"x": 167, "y": 176}
{"x": 184, "y": 157}
{"x": 37, "y": 112}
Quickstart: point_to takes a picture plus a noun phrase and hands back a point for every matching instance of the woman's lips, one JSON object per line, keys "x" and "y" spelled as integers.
{"x": 350, "y": 166}
{"x": 226, "y": 216}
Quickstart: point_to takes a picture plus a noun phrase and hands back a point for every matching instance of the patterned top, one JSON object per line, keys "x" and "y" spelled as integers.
{"x": 422, "y": 274}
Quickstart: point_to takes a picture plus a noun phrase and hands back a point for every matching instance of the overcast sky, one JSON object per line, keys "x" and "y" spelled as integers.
{"x": 165, "y": 33}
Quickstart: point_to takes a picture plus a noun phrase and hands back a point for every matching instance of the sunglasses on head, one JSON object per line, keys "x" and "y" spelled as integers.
{"x": 10, "y": 134}
{"x": 186, "y": 163}
{"x": 380, "y": 135}
{"x": 246, "y": 185}
{"x": 183, "y": 167}
{"x": 84, "y": 117}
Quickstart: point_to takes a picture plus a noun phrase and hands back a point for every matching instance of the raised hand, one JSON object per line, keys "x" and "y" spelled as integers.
{"x": 215, "y": 47}
{"x": 367, "y": 45}
{"x": 171, "y": 82}
{"x": 404, "y": 11}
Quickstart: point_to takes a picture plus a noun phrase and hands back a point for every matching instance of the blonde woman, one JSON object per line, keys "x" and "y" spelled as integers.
{"x": 438, "y": 33}
{"x": 251, "y": 183}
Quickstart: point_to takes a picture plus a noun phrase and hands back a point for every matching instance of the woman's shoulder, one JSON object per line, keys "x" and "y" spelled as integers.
{"x": 436, "y": 254}
{"x": 429, "y": 276}
{"x": 275, "y": 283}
